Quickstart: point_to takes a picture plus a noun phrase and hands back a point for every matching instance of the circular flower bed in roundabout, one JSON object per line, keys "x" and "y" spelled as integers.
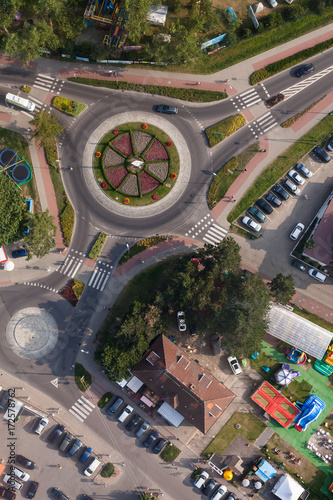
{"x": 136, "y": 165}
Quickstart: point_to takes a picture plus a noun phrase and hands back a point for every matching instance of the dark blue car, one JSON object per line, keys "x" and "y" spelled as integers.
{"x": 74, "y": 448}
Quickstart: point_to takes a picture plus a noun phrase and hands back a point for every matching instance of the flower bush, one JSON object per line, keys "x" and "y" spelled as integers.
{"x": 98, "y": 154}
{"x": 115, "y": 131}
{"x": 126, "y": 201}
{"x": 144, "y": 126}
{"x": 123, "y": 143}
{"x": 173, "y": 176}
{"x": 155, "y": 197}
{"x": 156, "y": 152}
{"x": 69, "y": 294}
{"x": 148, "y": 183}
{"x": 104, "y": 185}
{"x": 169, "y": 144}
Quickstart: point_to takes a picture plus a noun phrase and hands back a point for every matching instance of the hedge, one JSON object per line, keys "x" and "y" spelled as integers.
{"x": 67, "y": 222}
{"x": 170, "y": 453}
{"x": 98, "y": 245}
{"x": 286, "y": 63}
{"x": 78, "y": 288}
{"x": 107, "y": 470}
{"x": 104, "y": 399}
{"x": 72, "y": 108}
{"x": 214, "y": 192}
{"x": 190, "y": 95}
{"x": 218, "y": 132}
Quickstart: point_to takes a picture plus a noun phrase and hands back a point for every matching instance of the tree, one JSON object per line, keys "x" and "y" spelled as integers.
{"x": 41, "y": 237}
{"x": 231, "y": 39}
{"x": 11, "y": 210}
{"x": 47, "y": 128}
{"x": 310, "y": 244}
{"x": 136, "y": 24}
{"x": 282, "y": 288}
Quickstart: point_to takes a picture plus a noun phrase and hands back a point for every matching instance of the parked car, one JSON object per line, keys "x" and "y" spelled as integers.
{"x": 329, "y": 144}
{"x": 216, "y": 344}
{"x": 32, "y": 489}
{"x": 29, "y": 464}
{"x": 257, "y": 214}
{"x": 232, "y": 496}
{"x": 290, "y": 186}
{"x": 7, "y": 494}
{"x": 305, "y": 70}
{"x": 150, "y": 439}
{"x": 317, "y": 275}
{"x": 297, "y": 231}
{"x": 4, "y": 400}
{"x": 221, "y": 490}
{"x": 321, "y": 154}
{"x": 159, "y": 446}
{"x": 20, "y": 252}
{"x": 114, "y": 406}
{"x": 274, "y": 100}
{"x": 247, "y": 221}
{"x": 56, "y": 493}
{"x": 210, "y": 486}
{"x": 135, "y": 420}
{"x": 65, "y": 442}
{"x": 86, "y": 454}
{"x": 296, "y": 177}
{"x": 41, "y": 425}
{"x": 56, "y": 433}
{"x": 302, "y": 169}
{"x": 125, "y": 414}
{"x": 234, "y": 365}
{"x": 264, "y": 206}
{"x": 20, "y": 474}
{"x": 13, "y": 483}
{"x": 88, "y": 471}
{"x": 193, "y": 330}
{"x": 181, "y": 321}
{"x": 142, "y": 429}
{"x": 298, "y": 264}
{"x": 282, "y": 193}
{"x": 273, "y": 200}
{"x": 170, "y": 110}
{"x": 74, "y": 448}
{"x": 85, "y": 497}
{"x": 200, "y": 481}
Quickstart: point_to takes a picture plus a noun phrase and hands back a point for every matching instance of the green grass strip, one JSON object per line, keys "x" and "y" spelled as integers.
{"x": 72, "y": 108}
{"x": 170, "y": 453}
{"x": 98, "y": 246}
{"x": 82, "y": 377}
{"x": 218, "y": 132}
{"x": 190, "y": 95}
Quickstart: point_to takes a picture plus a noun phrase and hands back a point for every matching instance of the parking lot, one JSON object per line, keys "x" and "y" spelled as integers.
{"x": 53, "y": 469}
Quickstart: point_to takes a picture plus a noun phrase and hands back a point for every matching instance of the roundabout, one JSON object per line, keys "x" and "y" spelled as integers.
{"x": 137, "y": 165}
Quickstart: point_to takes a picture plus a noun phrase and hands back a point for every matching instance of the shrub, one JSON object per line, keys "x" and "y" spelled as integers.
{"x": 107, "y": 470}
{"x": 218, "y": 132}
{"x": 78, "y": 288}
{"x": 98, "y": 246}
{"x": 72, "y": 108}
{"x": 67, "y": 222}
{"x": 104, "y": 399}
{"x": 170, "y": 453}
{"x": 25, "y": 88}
{"x": 82, "y": 377}
{"x": 196, "y": 473}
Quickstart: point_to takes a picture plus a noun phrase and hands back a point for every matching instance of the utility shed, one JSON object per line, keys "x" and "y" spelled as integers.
{"x": 157, "y": 15}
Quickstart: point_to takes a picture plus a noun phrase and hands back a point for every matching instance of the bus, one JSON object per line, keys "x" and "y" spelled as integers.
{"x": 20, "y": 101}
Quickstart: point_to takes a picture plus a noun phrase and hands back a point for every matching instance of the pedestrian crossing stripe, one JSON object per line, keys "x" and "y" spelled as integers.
{"x": 215, "y": 235}
{"x": 70, "y": 266}
{"x": 82, "y": 408}
{"x": 99, "y": 278}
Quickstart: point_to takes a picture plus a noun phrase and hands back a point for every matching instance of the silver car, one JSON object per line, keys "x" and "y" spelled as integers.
{"x": 251, "y": 224}
{"x": 43, "y": 421}
{"x": 181, "y": 321}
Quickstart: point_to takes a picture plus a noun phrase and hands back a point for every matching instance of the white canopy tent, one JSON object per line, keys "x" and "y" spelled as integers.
{"x": 287, "y": 488}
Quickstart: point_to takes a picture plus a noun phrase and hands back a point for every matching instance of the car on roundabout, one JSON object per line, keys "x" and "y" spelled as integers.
{"x": 169, "y": 110}
{"x": 247, "y": 221}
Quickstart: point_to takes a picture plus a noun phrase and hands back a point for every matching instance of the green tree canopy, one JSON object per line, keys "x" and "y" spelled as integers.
{"x": 137, "y": 20}
{"x": 47, "y": 128}
{"x": 282, "y": 288}
{"x": 41, "y": 237}
{"x": 11, "y": 210}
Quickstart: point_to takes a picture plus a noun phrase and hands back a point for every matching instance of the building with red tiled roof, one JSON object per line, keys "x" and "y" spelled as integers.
{"x": 182, "y": 384}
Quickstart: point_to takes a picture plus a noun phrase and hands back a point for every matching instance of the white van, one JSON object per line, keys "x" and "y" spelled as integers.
{"x": 317, "y": 275}
{"x": 126, "y": 413}
{"x": 13, "y": 409}
{"x": 20, "y": 101}
{"x": 200, "y": 481}
{"x": 92, "y": 467}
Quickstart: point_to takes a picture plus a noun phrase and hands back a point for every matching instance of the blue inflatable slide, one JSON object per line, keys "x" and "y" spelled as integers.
{"x": 310, "y": 410}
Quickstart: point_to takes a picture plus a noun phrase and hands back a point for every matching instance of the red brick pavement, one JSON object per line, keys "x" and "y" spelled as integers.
{"x": 316, "y": 110}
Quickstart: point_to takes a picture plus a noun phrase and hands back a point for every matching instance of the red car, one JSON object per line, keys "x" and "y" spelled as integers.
{"x": 274, "y": 100}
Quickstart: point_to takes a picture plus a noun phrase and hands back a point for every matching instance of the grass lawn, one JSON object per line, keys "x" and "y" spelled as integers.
{"x": 312, "y": 476}
{"x": 141, "y": 246}
{"x": 82, "y": 377}
{"x": 312, "y": 317}
{"x": 275, "y": 170}
{"x": 298, "y": 390}
{"x": 142, "y": 287}
{"x": 170, "y": 453}
{"x": 251, "y": 428}
{"x": 162, "y": 190}
{"x": 104, "y": 399}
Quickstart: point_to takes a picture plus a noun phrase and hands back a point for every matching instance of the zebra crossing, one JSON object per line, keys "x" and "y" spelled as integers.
{"x": 100, "y": 276}
{"x": 39, "y": 105}
{"x": 213, "y": 233}
{"x": 263, "y": 124}
{"x": 82, "y": 408}
{"x": 48, "y": 83}
{"x": 70, "y": 266}
{"x": 246, "y": 99}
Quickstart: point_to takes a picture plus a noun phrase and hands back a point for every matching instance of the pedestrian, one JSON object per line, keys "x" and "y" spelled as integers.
{"x": 60, "y": 466}
{"x": 306, "y": 197}
{"x": 232, "y": 197}
{"x": 105, "y": 308}
{"x": 198, "y": 83}
{"x": 74, "y": 74}
{"x": 123, "y": 464}
{"x": 234, "y": 201}
{"x": 245, "y": 170}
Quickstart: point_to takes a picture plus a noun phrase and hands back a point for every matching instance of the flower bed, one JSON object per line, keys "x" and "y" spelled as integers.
{"x": 141, "y": 141}
{"x": 112, "y": 159}
{"x": 148, "y": 183}
{"x": 69, "y": 294}
{"x": 156, "y": 152}
{"x": 160, "y": 170}
{"x": 116, "y": 175}
{"x": 130, "y": 186}
{"x": 123, "y": 143}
